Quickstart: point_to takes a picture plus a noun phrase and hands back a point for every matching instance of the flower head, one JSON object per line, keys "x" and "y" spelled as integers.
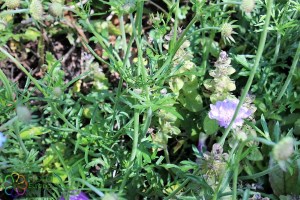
{"x": 248, "y": 5}
{"x": 2, "y": 139}
{"x": 223, "y": 112}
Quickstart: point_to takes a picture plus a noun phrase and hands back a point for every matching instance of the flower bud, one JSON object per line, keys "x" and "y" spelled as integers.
{"x": 56, "y": 9}
{"x": 248, "y": 5}
{"x": 12, "y": 4}
{"x": 23, "y": 113}
{"x": 284, "y": 149}
{"x": 226, "y": 30}
{"x": 57, "y": 91}
{"x": 36, "y": 10}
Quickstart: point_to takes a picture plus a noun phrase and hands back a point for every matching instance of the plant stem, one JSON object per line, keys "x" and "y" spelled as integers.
{"x": 291, "y": 73}
{"x": 10, "y": 12}
{"x": 253, "y": 71}
{"x": 98, "y": 192}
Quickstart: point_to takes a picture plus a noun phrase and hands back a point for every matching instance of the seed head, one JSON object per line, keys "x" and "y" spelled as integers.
{"x": 227, "y": 31}
{"x": 284, "y": 149}
{"x": 23, "y": 113}
{"x": 57, "y": 91}
{"x": 248, "y": 5}
{"x": 12, "y": 4}
{"x": 36, "y": 10}
{"x": 56, "y": 9}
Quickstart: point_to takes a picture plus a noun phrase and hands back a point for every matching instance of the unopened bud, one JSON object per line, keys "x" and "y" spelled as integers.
{"x": 248, "y": 5}
{"x": 56, "y": 9}
{"x": 36, "y": 10}
{"x": 23, "y": 113}
{"x": 57, "y": 91}
{"x": 284, "y": 149}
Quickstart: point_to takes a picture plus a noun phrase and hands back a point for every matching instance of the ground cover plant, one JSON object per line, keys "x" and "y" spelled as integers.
{"x": 149, "y": 99}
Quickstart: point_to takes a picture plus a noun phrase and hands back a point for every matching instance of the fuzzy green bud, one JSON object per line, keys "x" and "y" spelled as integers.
{"x": 57, "y": 91}
{"x": 248, "y": 5}
{"x": 12, "y": 4}
{"x": 56, "y": 9}
{"x": 23, "y": 113}
{"x": 36, "y": 10}
{"x": 283, "y": 149}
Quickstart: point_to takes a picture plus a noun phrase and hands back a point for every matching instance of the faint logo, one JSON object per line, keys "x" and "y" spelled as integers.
{"x": 15, "y": 184}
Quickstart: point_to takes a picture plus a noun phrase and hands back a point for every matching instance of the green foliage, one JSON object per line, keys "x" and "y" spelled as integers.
{"x": 119, "y": 94}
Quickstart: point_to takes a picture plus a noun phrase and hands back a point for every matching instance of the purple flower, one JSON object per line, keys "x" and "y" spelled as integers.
{"x": 2, "y": 139}
{"x": 76, "y": 195}
{"x": 223, "y": 112}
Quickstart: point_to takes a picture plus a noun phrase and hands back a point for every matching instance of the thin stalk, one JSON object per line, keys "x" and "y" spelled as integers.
{"x": 277, "y": 48}
{"x": 20, "y": 140}
{"x": 11, "y": 12}
{"x": 253, "y": 71}
{"x": 6, "y": 83}
{"x": 136, "y": 135}
{"x": 98, "y": 192}
{"x": 174, "y": 38}
{"x": 235, "y": 180}
{"x": 291, "y": 73}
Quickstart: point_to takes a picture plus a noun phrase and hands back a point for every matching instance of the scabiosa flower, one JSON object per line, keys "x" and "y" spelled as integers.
{"x": 77, "y": 196}
{"x": 223, "y": 112}
{"x": 2, "y": 139}
{"x": 248, "y": 5}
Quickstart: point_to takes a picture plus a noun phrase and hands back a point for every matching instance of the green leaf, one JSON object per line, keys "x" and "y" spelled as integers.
{"x": 33, "y": 132}
{"x": 31, "y": 34}
{"x": 210, "y": 126}
{"x": 255, "y": 155}
{"x": 191, "y": 100}
{"x": 283, "y": 182}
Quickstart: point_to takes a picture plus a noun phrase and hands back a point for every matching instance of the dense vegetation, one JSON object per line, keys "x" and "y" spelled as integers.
{"x": 149, "y": 99}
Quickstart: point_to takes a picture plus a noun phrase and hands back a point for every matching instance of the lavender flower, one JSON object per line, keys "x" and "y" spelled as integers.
{"x": 223, "y": 112}
{"x": 76, "y": 196}
{"x": 2, "y": 139}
